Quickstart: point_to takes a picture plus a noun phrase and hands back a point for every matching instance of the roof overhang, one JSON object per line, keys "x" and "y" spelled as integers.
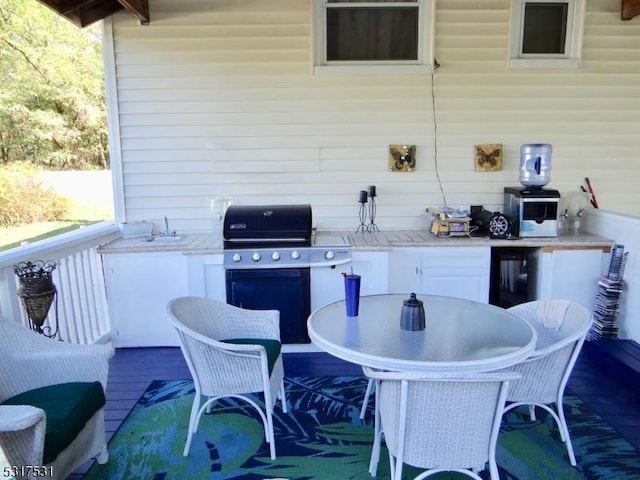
{"x": 86, "y": 12}
{"x": 630, "y": 9}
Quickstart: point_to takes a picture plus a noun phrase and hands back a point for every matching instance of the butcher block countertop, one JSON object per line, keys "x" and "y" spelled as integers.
{"x": 211, "y": 243}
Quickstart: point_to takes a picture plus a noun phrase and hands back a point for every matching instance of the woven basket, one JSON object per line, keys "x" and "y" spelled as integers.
{"x": 35, "y": 285}
{"x": 37, "y": 305}
{"x": 36, "y": 289}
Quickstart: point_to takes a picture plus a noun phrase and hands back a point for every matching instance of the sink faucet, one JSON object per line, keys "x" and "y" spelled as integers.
{"x": 166, "y": 232}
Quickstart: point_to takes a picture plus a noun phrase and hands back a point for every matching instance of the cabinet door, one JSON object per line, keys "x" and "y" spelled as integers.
{"x": 462, "y": 272}
{"x": 327, "y": 283}
{"x": 404, "y": 271}
{"x": 571, "y": 275}
{"x": 468, "y": 284}
{"x": 139, "y": 286}
{"x": 373, "y": 267}
{"x": 214, "y": 279}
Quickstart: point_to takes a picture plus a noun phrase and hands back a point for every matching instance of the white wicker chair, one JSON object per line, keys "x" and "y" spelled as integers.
{"x": 440, "y": 422}
{"x": 224, "y": 347}
{"x": 562, "y": 326}
{"x": 31, "y": 361}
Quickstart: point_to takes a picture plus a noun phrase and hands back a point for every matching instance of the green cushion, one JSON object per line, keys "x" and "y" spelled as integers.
{"x": 272, "y": 347}
{"x": 68, "y": 407}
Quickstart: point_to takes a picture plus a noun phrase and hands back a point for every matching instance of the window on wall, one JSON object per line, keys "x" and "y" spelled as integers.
{"x": 546, "y": 33}
{"x": 373, "y": 36}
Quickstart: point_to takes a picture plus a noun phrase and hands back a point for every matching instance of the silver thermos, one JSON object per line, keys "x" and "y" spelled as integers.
{"x": 412, "y": 314}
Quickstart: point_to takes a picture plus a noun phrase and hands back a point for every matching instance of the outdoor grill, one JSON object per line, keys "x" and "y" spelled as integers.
{"x": 268, "y": 253}
{"x": 290, "y": 224}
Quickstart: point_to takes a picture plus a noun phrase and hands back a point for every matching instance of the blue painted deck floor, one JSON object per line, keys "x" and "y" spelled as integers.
{"x": 599, "y": 378}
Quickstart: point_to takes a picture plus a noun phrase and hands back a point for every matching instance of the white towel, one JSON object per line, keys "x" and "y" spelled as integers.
{"x": 552, "y": 312}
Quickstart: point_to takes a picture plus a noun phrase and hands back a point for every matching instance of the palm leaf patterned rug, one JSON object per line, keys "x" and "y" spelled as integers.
{"x": 323, "y": 438}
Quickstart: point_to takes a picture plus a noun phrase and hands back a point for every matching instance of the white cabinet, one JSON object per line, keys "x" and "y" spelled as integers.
{"x": 327, "y": 283}
{"x": 462, "y": 272}
{"x": 570, "y": 274}
{"x": 139, "y": 286}
{"x": 214, "y": 278}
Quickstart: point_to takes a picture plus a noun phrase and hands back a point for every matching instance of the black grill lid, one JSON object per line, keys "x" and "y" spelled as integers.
{"x": 261, "y": 224}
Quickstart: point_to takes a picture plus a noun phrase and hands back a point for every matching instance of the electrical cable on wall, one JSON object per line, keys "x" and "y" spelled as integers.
{"x": 435, "y": 132}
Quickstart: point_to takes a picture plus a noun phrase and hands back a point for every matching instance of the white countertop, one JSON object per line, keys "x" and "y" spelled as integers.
{"x": 211, "y": 243}
{"x": 423, "y": 238}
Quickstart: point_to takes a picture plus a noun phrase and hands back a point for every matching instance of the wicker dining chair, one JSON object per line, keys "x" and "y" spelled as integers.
{"x": 562, "y": 327}
{"x": 440, "y": 422}
{"x": 52, "y": 398}
{"x": 230, "y": 352}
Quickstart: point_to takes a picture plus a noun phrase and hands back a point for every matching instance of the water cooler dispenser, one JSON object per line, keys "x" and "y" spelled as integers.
{"x": 532, "y": 209}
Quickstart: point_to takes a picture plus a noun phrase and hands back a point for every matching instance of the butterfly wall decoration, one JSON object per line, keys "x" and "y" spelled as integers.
{"x": 489, "y": 157}
{"x": 402, "y": 158}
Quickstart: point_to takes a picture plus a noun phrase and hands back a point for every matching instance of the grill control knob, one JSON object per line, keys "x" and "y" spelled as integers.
{"x": 255, "y": 257}
{"x": 329, "y": 255}
{"x": 295, "y": 255}
{"x": 275, "y": 256}
{"x": 236, "y": 257}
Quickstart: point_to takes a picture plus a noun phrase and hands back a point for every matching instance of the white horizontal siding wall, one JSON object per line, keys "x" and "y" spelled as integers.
{"x": 218, "y": 98}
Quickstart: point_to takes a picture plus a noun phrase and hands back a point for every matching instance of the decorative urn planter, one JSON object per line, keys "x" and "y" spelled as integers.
{"x": 37, "y": 292}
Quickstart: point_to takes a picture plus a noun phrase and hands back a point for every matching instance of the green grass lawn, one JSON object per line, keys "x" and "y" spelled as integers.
{"x": 80, "y": 213}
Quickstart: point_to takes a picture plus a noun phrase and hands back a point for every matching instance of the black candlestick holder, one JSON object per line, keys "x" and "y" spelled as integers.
{"x": 372, "y": 227}
{"x": 363, "y": 212}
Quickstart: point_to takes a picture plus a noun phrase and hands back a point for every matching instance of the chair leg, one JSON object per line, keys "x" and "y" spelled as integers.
{"x": 377, "y": 437}
{"x": 193, "y": 422}
{"x": 367, "y": 394}
{"x": 564, "y": 433}
{"x": 283, "y": 398}
{"x": 103, "y": 456}
{"x": 270, "y": 433}
{"x": 392, "y": 466}
{"x": 560, "y": 421}
{"x": 396, "y": 472}
{"x": 375, "y": 453}
{"x": 493, "y": 468}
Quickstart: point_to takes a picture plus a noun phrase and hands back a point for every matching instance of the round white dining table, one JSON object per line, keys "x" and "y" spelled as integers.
{"x": 460, "y": 335}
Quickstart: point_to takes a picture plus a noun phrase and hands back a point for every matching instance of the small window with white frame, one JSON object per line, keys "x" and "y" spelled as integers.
{"x": 546, "y": 33}
{"x": 373, "y": 36}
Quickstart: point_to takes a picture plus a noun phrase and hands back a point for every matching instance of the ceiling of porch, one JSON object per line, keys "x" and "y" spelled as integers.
{"x": 86, "y": 12}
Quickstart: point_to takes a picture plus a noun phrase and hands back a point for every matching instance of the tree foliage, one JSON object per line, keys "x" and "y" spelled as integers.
{"x": 52, "y": 100}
